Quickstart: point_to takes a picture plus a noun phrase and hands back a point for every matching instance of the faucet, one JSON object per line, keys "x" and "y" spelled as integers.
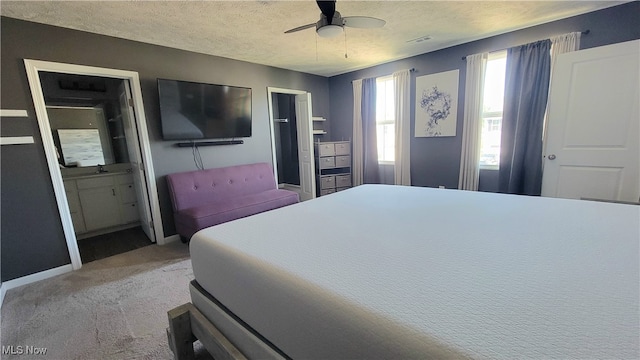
{"x": 101, "y": 169}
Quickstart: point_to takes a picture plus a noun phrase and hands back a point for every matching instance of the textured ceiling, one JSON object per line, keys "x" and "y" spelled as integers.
{"x": 254, "y": 30}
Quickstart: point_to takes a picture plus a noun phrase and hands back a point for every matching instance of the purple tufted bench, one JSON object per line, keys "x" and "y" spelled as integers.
{"x": 209, "y": 197}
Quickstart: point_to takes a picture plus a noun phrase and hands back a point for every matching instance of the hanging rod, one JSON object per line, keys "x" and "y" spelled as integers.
{"x": 586, "y": 32}
{"x": 410, "y": 70}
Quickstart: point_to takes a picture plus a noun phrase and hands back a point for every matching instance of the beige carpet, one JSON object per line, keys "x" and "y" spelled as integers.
{"x": 114, "y": 308}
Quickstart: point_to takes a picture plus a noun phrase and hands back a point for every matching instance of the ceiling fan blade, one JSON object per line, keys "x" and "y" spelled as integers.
{"x": 327, "y": 8}
{"x": 308, "y": 26}
{"x": 363, "y": 22}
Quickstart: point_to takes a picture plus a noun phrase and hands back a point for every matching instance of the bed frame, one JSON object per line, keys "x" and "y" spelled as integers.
{"x": 224, "y": 335}
{"x": 186, "y": 325}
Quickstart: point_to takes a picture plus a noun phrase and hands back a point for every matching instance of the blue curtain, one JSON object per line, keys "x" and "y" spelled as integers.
{"x": 370, "y": 141}
{"x": 525, "y": 101}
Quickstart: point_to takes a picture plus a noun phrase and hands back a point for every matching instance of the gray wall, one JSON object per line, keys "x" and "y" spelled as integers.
{"x": 436, "y": 161}
{"x": 32, "y": 238}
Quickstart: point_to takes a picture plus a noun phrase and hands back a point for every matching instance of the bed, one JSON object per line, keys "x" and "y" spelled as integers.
{"x": 381, "y": 271}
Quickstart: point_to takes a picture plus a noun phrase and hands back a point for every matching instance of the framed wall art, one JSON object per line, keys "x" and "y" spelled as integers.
{"x": 437, "y": 104}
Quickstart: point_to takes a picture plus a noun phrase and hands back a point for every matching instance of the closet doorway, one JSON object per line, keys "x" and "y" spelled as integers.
{"x": 74, "y": 155}
{"x": 292, "y": 140}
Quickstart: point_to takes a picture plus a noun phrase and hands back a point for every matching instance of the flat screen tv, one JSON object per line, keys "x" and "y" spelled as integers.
{"x": 190, "y": 110}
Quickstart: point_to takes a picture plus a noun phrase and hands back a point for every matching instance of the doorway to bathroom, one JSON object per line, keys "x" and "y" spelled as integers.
{"x": 95, "y": 138}
{"x": 88, "y": 118}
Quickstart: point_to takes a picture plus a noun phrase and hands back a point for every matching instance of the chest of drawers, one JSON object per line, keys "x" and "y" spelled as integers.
{"x": 333, "y": 166}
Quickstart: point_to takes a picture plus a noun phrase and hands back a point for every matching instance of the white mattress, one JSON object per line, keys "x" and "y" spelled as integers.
{"x": 405, "y": 272}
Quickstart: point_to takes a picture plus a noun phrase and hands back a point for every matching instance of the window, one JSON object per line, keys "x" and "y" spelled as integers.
{"x": 493, "y": 98}
{"x": 385, "y": 120}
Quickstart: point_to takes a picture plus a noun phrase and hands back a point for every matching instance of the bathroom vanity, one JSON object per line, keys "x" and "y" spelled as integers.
{"x": 101, "y": 203}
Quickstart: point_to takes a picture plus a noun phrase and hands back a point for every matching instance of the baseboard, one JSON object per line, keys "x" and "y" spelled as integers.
{"x": 25, "y": 280}
{"x": 170, "y": 239}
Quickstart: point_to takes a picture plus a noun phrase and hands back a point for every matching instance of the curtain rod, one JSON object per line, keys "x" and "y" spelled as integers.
{"x": 410, "y": 70}
{"x": 586, "y": 32}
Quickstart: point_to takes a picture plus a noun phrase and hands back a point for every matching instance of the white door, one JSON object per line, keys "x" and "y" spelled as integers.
{"x": 135, "y": 158}
{"x": 592, "y": 144}
{"x": 305, "y": 147}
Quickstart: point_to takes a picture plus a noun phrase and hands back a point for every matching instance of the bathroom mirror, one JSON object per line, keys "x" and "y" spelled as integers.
{"x": 84, "y": 136}
{"x": 85, "y": 118}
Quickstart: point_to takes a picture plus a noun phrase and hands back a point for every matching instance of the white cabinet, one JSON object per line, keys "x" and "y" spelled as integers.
{"x": 74, "y": 206}
{"x": 128, "y": 200}
{"x": 99, "y": 207}
{"x": 101, "y": 201}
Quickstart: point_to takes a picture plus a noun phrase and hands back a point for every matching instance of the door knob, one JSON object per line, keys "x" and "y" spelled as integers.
{"x": 551, "y": 157}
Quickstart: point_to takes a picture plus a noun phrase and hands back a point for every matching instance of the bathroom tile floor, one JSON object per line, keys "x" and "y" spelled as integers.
{"x": 102, "y": 246}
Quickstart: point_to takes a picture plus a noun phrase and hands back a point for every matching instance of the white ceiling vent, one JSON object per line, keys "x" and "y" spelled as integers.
{"x": 420, "y": 39}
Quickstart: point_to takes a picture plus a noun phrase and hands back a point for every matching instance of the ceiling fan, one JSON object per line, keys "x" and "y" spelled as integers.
{"x": 331, "y": 23}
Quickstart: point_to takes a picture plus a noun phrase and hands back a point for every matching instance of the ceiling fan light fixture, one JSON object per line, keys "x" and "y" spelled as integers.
{"x": 328, "y": 31}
